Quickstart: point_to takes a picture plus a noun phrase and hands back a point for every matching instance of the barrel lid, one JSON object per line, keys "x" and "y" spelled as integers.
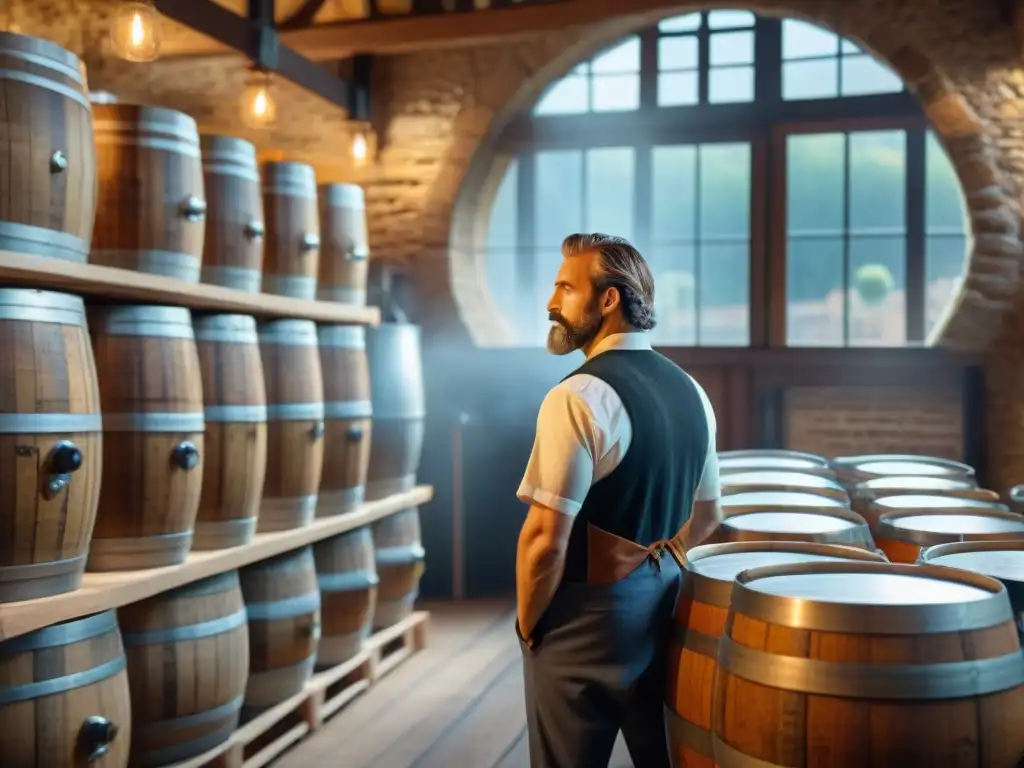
{"x": 779, "y": 521}
{"x": 965, "y": 524}
{"x": 924, "y": 501}
{"x": 726, "y": 566}
{"x": 907, "y": 468}
{"x": 872, "y": 588}
{"x": 914, "y": 483}
{"x": 767, "y": 477}
{"x": 767, "y": 462}
{"x": 779, "y": 499}
{"x": 1003, "y": 560}
{"x": 941, "y": 526}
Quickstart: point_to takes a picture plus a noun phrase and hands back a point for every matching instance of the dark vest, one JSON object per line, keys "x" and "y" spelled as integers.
{"x": 647, "y": 497}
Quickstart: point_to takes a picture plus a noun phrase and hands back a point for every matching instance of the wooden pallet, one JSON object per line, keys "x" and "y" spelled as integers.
{"x": 260, "y": 741}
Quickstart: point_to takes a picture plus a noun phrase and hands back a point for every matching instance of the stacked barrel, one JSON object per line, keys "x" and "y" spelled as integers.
{"x": 136, "y": 434}
{"x": 822, "y": 593}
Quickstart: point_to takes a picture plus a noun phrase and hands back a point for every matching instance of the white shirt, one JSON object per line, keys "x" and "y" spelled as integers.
{"x": 583, "y": 431}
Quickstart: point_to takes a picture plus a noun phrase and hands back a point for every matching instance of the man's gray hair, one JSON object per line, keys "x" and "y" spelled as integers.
{"x": 620, "y": 265}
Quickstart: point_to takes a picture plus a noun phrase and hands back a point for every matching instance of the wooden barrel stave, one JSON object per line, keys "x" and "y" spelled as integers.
{"x": 282, "y": 600}
{"x": 291, "y": 254}
{"x": 49, "y": 149}
{"x": 233, "y": 243}
{"x": 832, "y": 663}
{"x": 151, "y": 394}
{"x": 188, "y": 662}
{"x": 51, "y": 443}
{"x": 700, "y": 620}
{"x": 775, "y": 480}
{"x": 347, "y": 577}
{"x": 64, "y": 696}
{"x": 345, "y": 247}
{"x": 235, "y": 415}
{"x": 347, "y": 418}
{"x": 399, "y": 556}
{"x": 399, "y": 408}
{"x": 903, "y": 534}
{"x": 295, "y": 424}
{"x": 151, "y": 211}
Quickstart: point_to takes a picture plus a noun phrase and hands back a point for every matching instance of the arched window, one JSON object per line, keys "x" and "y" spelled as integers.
{"x": 783, "y": 184}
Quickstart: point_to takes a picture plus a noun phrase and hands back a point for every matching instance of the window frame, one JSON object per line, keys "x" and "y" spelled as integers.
{"x": 765, "y": 123}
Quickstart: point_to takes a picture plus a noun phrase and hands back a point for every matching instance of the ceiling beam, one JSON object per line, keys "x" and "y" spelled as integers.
{"x": 256, "y": 38}
{"x": 401, "y": 34}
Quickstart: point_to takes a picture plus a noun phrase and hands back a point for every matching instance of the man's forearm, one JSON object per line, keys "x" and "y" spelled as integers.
{"x": 538, "y": 573}
{"x": 698, "y": 529}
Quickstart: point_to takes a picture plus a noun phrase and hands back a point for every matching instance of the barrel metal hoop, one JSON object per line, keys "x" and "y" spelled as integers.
{"x": 403, "y": 555}
{"x": 295, "y": 286}
{"x": 62, "y": 684}
{"x": 49, "y": 423}
{"x": 284, "y": 609}
{"x": 696, "y": 642}
{"x": 176, "y": 146}
{"x": 946, "y": 680}
{"x": 730, "y": 757}
{"x": 686, "y": 734}
{"x": 705, "y": 589}
{"x": 61, "y": 634}
{"x": 229, "y": 414}
{"x": 198, "y": 718}
{"x": 348, "y": 409}
{"x": 181, "y": 266}
{"x": 227, "y": 168}
{"x": 68, "y": 70}
{"x": 210, "y": 628}
{"x": 349, "y": 581}
{"x": 153, "y": 422}
{"x": 45, "y": 83}
{"x": 182, "y": 751}
{"x": 295, "y": 411}
{"x": 43, "y": 241}
{"x": 239, "y": 278}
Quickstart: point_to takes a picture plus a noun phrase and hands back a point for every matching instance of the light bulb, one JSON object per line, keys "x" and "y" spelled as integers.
{"x": 134, "y": 32}
{"x": 257, "y": 103}
{"x": 359, "y": 149}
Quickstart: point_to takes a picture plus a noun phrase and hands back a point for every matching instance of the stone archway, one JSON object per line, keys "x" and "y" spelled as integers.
{"x": 945, "y": 50}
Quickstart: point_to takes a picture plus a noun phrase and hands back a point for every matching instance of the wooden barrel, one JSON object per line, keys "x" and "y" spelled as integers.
{"x": 737, "y": 464}
{"x": 295, "y": 424}
{"x": 51, "y": 443}
{"x": 347, "y": 575}
{"x": 863, "y": 494}
{"x": 1015, "y": 497}
{"x": 233, "y": 245}
{"x": 836, "y": 526}
{"x": 151, "y": 394}
{"x": 776, "y": 453}
{"x": 291, "y": 252}
{"x": 856, "y": 469}
{"x": 771, "y": 480}
{"x": 925, "y": 503}
{"x": 759, "y": 501}
{"x": 235, "y": 399}
{"x": 347, "y": 422}
{"x": 399, "y": 555}
{"x": 188, "y": 661}
{"x": 850, "y": 665}
{"x": 64, "y": 696}
{"x": 399, "y": 408}
{"x": 1003, "y": 560}
{"x": 46, "y": 140}
{"x": 699, "y": 623}
{"x": 345, "y": 248}
{"x": 283, "y": 604}
{"x": 151, "y": 214}
{"x": 902, "y": 535}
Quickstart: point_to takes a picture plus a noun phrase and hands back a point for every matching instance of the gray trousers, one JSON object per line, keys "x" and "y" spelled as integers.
{"x": 598, "y": 666}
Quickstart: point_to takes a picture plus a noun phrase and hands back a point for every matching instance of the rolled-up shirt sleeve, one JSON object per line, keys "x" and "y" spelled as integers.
{"x": 562, "y": 464}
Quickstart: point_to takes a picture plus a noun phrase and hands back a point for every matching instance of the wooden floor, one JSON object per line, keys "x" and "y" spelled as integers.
{"x": 456, "y": 704}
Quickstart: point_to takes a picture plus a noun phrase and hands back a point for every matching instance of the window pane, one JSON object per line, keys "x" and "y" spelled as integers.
{"x": 946, "y": 230}
{"x": 814, "y": 292}
{"x": 848, "y": 46}
{"x": 944, "y": 201}
{"x": 945, "y": 261}
{"x": 688, "y": 22}
{"x": 878, "y": 181}
{"x": 730, "y": 19}
{"x": 862, "y": 75}
{"x": 623, "y": 58}
{"x": 732, "y": 48}
{"x": 878, "y": 304}
{"x": 673, "y": 194}
{"x": 568, "y": 96}
{"x": 731, "y": 85}
{"x": 677, "y": 89}
{"x": 725, "y": 191}
{"x": 801, "y": 40}
{"x": 610, "y": 191}
{"x": 814, "y": 183}
{"x": 504, "y": 221}
{"x": 675, "y": 302}
{"x": 558, "y": 197}
{"x": 616, "y": 93}
{"x": 814, "y": 79}
{"x": 677, "y": 52}
{"x": 724, "y": 293}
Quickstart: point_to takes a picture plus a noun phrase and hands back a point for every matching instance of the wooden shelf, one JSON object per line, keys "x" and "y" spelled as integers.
{"x": 108, "y": 283}
{"x": 103, "y": 591}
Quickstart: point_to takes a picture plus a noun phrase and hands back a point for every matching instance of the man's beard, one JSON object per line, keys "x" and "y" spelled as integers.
{"x": 565, "y": 337}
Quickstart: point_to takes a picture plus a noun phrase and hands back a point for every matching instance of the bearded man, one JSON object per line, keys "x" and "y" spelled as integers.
{"x": 623, "y": 479}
